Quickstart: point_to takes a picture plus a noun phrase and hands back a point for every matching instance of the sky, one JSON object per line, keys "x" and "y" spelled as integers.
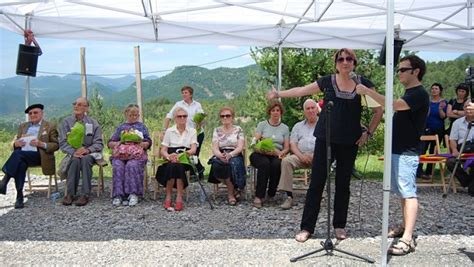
{"x": 61, "y": 57}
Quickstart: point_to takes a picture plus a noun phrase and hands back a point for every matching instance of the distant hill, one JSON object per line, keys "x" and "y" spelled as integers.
{"x": 58, "y": 92}
{"x": 220, "y": 83}
{"x": 465, "y": 55}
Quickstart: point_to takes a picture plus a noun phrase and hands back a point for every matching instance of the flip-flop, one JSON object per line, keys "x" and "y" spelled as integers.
{"x": 302, "y": 236}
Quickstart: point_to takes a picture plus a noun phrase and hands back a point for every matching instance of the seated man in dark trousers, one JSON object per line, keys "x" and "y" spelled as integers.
{"x": 456, "y": 138}
{"x": 35, "y": 144}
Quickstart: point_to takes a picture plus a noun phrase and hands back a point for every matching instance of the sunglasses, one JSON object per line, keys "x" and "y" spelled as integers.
{"x": 347, "y": 59}
{"x": 402, "y": 70}
{"x": 33, "y": 112}
{"x": 226, "y": 116}
{"x": 181, "y": 116}
{"x": 79, "y": 104}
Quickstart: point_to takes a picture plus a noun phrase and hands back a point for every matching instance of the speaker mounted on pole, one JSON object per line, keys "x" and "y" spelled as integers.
{"x": 397, "y": 49}
{"x": 27, "y": 60}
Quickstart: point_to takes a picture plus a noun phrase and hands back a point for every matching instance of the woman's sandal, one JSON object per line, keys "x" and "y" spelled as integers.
{"x": 178, "y": 206}
{"x": 396, "y": 231}
{"x": 302, "y": 236}
{"x": 402, "y": 247}
{"x": 232, "y": 201}
{"x": 340, "y": 233}
{"x": 167, "y": 205}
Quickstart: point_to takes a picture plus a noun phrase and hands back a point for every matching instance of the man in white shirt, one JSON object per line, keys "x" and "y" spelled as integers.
{"x": 192, "y": 107}
{"x": 301, "y": 146}
{"x": 456, "y": 138}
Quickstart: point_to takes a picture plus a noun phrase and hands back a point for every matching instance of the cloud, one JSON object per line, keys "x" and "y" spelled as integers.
{"x": 227, "y": 47}
{"x": 158, "y": 50}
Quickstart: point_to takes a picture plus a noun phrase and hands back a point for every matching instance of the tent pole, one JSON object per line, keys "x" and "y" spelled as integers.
{"x": 280, "y": 63}
{"x": 388, "y": 128}
{"x": 27, "y": 78}
{"x": 83, "y": 73}
{"x": 138, "y": 81}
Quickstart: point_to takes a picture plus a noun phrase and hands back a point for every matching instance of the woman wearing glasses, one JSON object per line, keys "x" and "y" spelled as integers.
{"x": 177, "y": 139}
{"x": 268, "y": 163}
{"x": 129, "y": 144}
{"x": 346, "y": 137}
{"x": 227, "y": 164}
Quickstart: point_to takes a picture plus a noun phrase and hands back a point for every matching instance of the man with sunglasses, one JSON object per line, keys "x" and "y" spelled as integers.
{"x": 35, "y": 144}
{"x": 411, "y": 111}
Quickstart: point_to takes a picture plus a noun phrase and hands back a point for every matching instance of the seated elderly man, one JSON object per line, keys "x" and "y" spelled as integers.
{"x": 456, "y": 138}
{"x": 81, "y": 139}
{"x": 301, "y": 146}
{"x": 35, "y": 144}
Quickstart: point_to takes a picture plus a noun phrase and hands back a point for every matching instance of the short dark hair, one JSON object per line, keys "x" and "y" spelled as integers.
{"x": 188, "y": 88}
{"x": 439, "y": 86}
{"x": 275, "y": 103}
{"x": 463, "y": 86}
{"x": 416, "y": 63}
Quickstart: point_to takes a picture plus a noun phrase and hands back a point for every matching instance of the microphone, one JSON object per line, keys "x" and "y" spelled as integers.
{"x": 354, "y": 77}
{"x": 329, "y": 106}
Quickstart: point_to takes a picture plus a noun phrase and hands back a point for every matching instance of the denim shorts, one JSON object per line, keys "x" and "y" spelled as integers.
{"x": 403, "y": 178}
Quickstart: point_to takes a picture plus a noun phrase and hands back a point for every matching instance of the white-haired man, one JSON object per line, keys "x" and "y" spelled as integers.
{"x": 301, "y": 146}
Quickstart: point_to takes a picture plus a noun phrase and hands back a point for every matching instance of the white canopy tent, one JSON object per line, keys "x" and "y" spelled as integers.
{"x": 436, "y": 25}
{"x": 430, "y": 25}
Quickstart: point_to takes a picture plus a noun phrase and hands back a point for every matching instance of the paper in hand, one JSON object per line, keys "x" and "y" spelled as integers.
{"x": 28, "y": 146}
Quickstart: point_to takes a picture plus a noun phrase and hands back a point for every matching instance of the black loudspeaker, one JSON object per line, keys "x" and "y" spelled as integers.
{"x": 397, "y": 49}
{"x": 27, "y": 60}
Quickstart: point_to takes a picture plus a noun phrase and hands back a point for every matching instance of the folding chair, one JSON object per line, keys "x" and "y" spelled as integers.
{"x": 435, "y": 160}
{"x": 39, "y": 187}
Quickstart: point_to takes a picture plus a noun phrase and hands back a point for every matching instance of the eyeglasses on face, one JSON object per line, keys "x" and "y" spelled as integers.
{"x": 181, "y": 116}
{"x": 347, "y": 59}
{"x": 402, "y": 70}
{"x": 79, "y": 104}
{"x": 33, "y": 112}
{"x": 226, "y": 115}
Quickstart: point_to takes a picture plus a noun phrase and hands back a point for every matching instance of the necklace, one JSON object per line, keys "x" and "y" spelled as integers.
{"x": 274, "y": 125}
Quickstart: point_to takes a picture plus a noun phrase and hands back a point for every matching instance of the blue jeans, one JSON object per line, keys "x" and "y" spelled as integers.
{"x": 403, "y": 178}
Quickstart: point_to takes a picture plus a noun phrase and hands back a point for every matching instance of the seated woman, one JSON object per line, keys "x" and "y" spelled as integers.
{"x": 177, "y": 139}
{"x": 268, "y": 163}
{"x": 129, "y": 144}
{"x": 228, "y": 162}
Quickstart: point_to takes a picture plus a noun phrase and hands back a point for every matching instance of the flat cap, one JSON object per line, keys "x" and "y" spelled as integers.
{"x": 40, "y": 106}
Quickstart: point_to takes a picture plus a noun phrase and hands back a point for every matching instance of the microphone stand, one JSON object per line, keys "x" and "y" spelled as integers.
{"x": 458, "y": 158}
{"x": 328, "y": 245}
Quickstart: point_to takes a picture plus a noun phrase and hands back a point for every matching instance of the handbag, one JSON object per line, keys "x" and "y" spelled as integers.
{"x": 63, "y": 166}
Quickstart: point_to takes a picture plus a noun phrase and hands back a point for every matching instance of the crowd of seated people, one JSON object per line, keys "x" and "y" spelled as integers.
{"x": 80, "y": 139}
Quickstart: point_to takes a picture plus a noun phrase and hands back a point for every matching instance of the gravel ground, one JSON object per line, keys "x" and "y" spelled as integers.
{"x": 45, "y": 233}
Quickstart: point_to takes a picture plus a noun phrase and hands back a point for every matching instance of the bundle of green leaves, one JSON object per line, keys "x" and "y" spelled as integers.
{"x": 265, "y": 145}
{"x": 198, "y": 118}
{"x": 131, "y": 135}
{"x": 76, "y": 135}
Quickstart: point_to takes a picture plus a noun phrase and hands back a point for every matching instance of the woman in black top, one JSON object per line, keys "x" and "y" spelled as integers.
{"x": 456, "y": 105}
{"x": 346, "y": 136}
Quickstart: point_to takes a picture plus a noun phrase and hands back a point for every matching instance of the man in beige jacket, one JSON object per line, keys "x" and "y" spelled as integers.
{"x": 34, "y": 145}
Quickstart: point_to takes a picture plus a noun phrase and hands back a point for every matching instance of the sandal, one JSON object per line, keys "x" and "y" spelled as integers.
{"x": 178, "y": 206}
{"x": 232, "y": 201}
{"x": 396, "y": 231}
{"x": 402, "y": 247}
{"x": 340, "y": 233}
{"x": 167, "y": 204}
{"x": 302, "y": 236}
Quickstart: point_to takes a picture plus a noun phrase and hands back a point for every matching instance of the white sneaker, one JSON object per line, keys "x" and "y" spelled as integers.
{"x": 117, "y": 201}
{"x": 132, "y": 200}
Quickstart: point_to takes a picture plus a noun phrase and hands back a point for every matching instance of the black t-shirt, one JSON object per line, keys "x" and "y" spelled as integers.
{"x": 408, "y": 125}
{"x": 345, "y": 114}
{"x": 455, "y": 106}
